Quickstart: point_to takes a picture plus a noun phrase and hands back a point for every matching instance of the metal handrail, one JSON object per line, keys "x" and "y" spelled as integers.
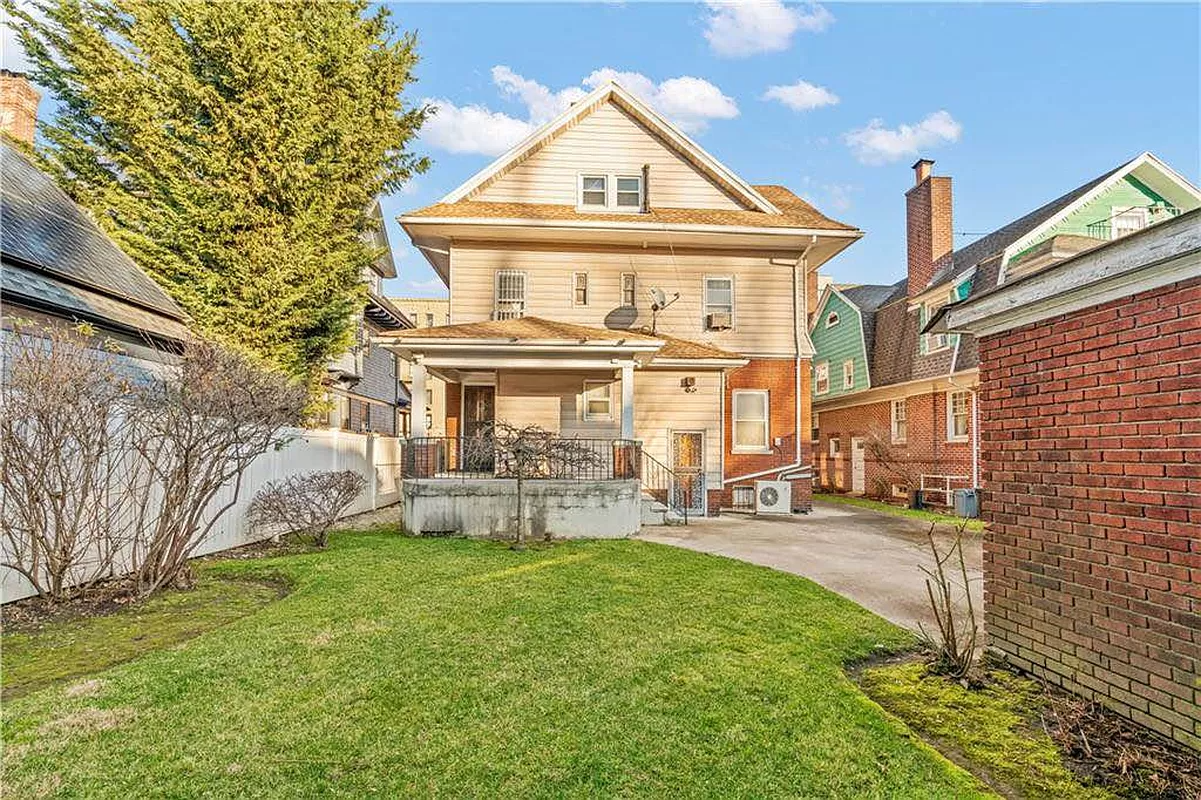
{"x": 661, "y": 482}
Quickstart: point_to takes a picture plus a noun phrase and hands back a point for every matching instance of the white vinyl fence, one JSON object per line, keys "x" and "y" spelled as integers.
{"x": 377, "y": 458}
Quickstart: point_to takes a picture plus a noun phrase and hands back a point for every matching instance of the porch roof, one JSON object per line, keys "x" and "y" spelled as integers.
{"x": 535, "y": 335}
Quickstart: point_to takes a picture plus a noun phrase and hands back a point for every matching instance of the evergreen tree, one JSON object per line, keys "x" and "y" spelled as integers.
{"x": 233, "y": 150}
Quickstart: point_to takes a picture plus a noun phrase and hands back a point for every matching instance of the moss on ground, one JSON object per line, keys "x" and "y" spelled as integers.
{"x": 992, "y": 729}
{"x": 64, "y": 649}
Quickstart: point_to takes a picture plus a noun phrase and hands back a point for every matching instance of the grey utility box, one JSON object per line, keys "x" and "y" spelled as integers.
{"x": 967, "y": 503}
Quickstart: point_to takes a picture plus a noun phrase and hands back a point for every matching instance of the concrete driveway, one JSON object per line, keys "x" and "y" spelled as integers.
{"x": 866, "y": 556}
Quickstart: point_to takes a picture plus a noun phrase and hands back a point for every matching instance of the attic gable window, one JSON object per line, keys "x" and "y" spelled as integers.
{"x": 832, "y": 319}
{"x": 610, "y": 192}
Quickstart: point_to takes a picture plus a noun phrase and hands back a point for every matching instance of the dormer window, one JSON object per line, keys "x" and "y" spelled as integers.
{"x": 610, "y": 193}
{"x": 594, "y": 191}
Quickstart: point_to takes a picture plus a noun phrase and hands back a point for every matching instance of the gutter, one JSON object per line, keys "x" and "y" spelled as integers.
{"x": 613, "y": 225}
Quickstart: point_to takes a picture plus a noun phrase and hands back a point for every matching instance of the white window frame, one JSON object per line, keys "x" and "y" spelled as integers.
{"x": 600, "y": 387}
{"x": 761, "y": 447}
{"x": 575, "y": 288}
{"x": 848, "y": 374}
{"x": 637, "y": 207}
{"x": 818, "y": 370}
{"x": 967, "y": 416}
{"x": 709, "y": 308}
{"x": 832, "y": 319}
{"x": 935, "y": 342}
{"x": 1121, "y": 211}
{"x": 632, "y": 277}
{"x": 579, "y": 196}
{"x": 835, "y": 446}
{"x": 496, "y": 298}
{"x": 902, "y": 418}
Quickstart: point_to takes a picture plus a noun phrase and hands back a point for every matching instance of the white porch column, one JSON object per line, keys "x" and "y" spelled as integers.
{"x": 417, "y": 406}
{"x": 627, "y": 401}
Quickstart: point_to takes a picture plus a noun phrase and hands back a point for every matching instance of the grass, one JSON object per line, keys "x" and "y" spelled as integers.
{"x": 78, "y": 647}
{"x": 973, "y": 525}
{"x": 420, "y": 667}
{"x": 990, "y": 727}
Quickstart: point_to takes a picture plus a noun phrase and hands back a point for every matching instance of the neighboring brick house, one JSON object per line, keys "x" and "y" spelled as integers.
{"x": 609, "y": 279}
{"x": 363, "y": 385}
{"x": 896, "y": 408}
{"x": 1090, "y": 388}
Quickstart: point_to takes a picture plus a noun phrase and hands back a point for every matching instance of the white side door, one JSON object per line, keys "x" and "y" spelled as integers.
{"x": 858, "y": 466}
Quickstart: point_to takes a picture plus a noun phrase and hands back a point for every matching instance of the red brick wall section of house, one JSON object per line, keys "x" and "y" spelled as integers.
{"x": 1092, "y": 477}
{"x": 925, "y": 450}
{"x": 778, "y": 376}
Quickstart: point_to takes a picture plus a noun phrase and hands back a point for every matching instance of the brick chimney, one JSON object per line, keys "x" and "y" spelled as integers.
{"x": 18, "y": 105}
{"x": 927, "y": 224}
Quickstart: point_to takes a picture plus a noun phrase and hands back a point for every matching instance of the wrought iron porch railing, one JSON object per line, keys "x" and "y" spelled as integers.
{"x": 663, "y": 485}
{"x": 551, "y": 458}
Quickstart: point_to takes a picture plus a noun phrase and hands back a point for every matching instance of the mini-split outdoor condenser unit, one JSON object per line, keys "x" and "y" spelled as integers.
{"x": 773, "y": 497}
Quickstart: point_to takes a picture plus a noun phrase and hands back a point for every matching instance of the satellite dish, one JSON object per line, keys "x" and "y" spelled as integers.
{"x": 658, "y": 298}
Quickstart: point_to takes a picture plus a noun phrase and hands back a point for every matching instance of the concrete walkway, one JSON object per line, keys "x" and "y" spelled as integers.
{"x": 866, "y": 556}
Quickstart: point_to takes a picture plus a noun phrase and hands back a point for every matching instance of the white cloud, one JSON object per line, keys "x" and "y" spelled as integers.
{"x": 875, "y": 144}
{"x": 740, "y": 28}
{"x": 839, "y": 196}
{"x": 471, "y": 129}
{"x": 687, "y": 101}
{"x": 801, "y": 96}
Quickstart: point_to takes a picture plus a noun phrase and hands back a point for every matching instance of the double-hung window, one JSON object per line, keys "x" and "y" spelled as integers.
{"x": 594, "y": 191}
{"x": 848, "y": 374}
{"x": 821, "y": 378}
{"x": 629, "y": 289}
{"x": 510, "y": 294}
{"x": 719, "y": 303}
{"x": 751, "y": 421}
{"x": 900, "y": 421}
{"x": 629, "y": 192}
{"x": 959, "y": 411}
{"x": 930, "y": 342}
{"x": 598, "y": 401}
{"x": 579, "y": 288}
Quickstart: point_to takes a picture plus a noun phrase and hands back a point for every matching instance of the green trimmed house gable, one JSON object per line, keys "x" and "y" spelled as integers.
{"x": 837, "y": 335}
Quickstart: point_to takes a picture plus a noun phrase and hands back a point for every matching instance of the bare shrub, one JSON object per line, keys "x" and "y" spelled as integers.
{"x": 307, "y": 504}
{"x": 896, "y": 469}
{"x": 954, "y": 640}
{"x": 534, "y": 452}
{"x": 62, "y": 391}
{"x": 196, "y": 430}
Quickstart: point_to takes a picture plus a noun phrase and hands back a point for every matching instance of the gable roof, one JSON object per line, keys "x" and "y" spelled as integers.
{"x": 614, "y": 92}
{"x": 46, "y": 231}
{"x": 869, "y": 299}
{"x": 794, "y": 213}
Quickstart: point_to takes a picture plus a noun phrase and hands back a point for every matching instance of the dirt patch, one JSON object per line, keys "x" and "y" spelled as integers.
{"x": 88, "y": 721}
{"x": 88, "y": 688}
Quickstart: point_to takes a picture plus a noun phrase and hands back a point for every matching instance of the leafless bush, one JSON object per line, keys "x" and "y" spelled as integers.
{"x": 534, "y": 452}
{"x": 61, "y": 392}
{"x": 954, "y": 641}
{"x": 307, "y": 504}
{"x": 895, "y": 468}
{"x": 196, "y": 430}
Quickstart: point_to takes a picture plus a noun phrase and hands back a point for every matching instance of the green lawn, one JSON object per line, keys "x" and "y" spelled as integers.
{"x": 974, "y": 525}
{"x": 420, "y": 667}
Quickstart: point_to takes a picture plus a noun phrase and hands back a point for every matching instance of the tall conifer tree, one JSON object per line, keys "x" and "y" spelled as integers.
{"x": 233, "y": 150}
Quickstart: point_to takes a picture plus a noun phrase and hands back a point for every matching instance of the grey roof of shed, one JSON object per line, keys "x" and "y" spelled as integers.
{"x": 42, "y": 230}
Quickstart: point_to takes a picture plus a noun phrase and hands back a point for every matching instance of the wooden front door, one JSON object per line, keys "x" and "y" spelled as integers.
{"x": 688, "y": 463}
{"x": 479, "y": 409}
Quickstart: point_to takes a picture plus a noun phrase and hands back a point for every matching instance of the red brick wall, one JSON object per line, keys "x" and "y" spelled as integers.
{"x": 925, "y": 451}
{"x": 778, "y": 376}
{"x": 1091, "y": 440}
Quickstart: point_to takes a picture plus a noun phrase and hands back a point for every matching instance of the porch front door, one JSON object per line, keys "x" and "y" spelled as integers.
{"x": 858, "y": 466}
{"x": 688, "y": 463}
{"x": 479, "y": 409}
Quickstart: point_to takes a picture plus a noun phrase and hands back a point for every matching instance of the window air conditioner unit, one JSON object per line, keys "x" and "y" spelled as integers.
{"x": 773, "y": 497}
{"x": 718, "y": 322}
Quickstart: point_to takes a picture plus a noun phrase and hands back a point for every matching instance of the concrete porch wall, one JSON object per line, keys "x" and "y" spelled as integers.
{"x": 488, "y": 508}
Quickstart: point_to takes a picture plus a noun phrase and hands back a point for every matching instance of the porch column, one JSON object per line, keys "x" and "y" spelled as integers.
{"x": 417, "y": 408}
{"x": 627, "y": 401}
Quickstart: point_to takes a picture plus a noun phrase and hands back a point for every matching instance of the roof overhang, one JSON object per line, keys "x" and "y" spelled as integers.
{"x": 510, "y": 353}
{"x": 434, "y": 236}
{"x": 1153, "y": 257}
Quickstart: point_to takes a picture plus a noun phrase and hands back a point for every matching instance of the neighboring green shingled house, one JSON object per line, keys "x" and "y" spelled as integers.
{"x": 877, "y": 377}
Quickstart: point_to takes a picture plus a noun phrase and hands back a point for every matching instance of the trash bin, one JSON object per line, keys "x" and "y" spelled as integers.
{"x": 915, "y": 499}
{"x": 967, "y": 503}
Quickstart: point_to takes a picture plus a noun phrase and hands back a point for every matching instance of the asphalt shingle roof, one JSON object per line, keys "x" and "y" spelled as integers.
{"x": 43, "y": 230}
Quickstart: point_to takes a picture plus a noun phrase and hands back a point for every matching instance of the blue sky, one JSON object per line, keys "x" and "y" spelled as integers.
{"x": 1018, "y": 103}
